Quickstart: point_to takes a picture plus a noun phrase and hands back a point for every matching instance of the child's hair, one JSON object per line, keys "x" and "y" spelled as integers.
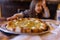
{"x": 33, "y": 4}
{"x": 32, "y": 8}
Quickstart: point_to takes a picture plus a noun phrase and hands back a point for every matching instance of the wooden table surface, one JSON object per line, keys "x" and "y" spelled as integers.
{"x": 47, "y": 36}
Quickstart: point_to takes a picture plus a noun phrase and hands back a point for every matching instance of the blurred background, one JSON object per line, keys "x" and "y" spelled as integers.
{"x": 10, "y": 7}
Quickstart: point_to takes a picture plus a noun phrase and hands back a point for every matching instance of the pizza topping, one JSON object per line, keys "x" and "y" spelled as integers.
{"x": 18, "y": 30}
{"x": 25, "y": 25}
{"x": 33, "y": 27}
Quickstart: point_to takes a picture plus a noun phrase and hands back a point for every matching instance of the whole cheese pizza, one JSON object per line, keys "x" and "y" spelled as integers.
{"x": 27, "y": 25}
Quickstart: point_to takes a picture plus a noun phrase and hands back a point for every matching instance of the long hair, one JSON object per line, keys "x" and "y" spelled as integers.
{"x": 32, "y": 6}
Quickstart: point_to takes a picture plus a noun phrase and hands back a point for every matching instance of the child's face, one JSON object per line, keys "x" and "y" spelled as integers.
{"x": 38, "y": 7}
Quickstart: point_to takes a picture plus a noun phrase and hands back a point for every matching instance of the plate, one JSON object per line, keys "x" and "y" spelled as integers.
{"x": 10, "y": 32}
{"x": 50, "y": 28}
{"x": 6, "y": 31}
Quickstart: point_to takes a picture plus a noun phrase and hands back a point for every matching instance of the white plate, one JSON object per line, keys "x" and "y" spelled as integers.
{"x": 7, "y": 31}
{"x": 10, "y": 32}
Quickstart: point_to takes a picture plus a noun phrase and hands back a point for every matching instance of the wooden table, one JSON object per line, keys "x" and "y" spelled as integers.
{"x": 3, "y": 36}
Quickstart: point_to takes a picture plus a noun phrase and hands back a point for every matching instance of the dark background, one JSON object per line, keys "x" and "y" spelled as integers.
{"x": 10, "y": 7}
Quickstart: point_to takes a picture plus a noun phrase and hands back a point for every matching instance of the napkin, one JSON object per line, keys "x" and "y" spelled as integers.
{"x": 27, "y": 37}
{"x": 57, "y": 30}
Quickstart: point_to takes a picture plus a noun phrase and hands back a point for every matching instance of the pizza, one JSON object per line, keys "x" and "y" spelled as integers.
{"x": 27, "y": 25}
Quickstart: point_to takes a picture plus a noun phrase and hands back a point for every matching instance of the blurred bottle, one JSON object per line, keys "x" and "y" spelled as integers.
{"x": 18, "y": 10}
{"x": 58, "y": 13}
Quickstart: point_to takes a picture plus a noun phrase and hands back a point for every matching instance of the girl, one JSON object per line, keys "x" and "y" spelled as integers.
{"x": 38, "y": 9}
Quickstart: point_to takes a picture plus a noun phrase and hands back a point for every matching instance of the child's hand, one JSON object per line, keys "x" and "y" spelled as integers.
{"x": 16, "y": 16}
{"x": 44, "y": 3}
{"x": 13, "y": 17}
